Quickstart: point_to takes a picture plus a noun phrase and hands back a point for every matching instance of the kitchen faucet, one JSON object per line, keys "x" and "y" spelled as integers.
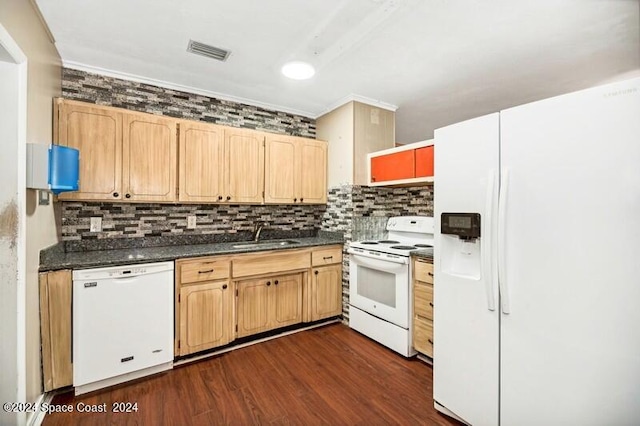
{"x": 256, "y": 231}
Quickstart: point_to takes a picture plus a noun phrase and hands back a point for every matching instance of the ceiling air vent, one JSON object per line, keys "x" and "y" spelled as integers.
{"x": 208, "y": 51}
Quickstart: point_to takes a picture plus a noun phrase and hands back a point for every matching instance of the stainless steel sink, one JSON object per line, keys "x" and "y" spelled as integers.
{"x": 273, "y": 243}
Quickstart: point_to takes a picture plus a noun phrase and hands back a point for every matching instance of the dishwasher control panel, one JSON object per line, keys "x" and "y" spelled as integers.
{"x": 127, "y": 272}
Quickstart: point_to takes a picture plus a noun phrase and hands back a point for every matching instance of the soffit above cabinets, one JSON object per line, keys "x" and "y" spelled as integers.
{"x": 438, "y": 61}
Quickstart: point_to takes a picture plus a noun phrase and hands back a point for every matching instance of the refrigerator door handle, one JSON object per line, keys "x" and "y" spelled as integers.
{"x": 502, "y": 235}
{"x": 488, "y": 220}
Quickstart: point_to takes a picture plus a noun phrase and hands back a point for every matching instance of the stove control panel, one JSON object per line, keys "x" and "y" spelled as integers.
{"x": 415, "y": 224}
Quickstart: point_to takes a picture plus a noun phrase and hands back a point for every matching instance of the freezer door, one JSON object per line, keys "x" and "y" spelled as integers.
{"x": 466, "y": 328}
{"x": 570, "y": 345}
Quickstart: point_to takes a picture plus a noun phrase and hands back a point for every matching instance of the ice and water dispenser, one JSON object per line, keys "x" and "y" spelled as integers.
{"x": 460, "y": 245}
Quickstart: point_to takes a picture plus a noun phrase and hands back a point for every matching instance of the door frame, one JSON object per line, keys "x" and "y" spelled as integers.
{"x": 8, "y": 44}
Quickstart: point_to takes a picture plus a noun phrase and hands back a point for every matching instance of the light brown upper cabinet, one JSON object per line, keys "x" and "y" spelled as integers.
{"x": 97, "y": 133}
{"x": 295, "y": 170}
{"x": 244, "y": 165}
{"x": 149, "y": 158}
{"x": 124, "y": 155}
{"x": 220, "y": 164}
{"x": 137, "y": 157}
{"x": 314, "y": 172}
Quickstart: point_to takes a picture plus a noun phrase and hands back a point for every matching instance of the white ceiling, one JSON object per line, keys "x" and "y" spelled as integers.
{"x": 438, "y": 61}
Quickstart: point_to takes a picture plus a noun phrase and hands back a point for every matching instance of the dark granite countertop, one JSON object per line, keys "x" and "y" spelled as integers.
{"x": 55, "y": 257}
{"x": 424, "y": 254}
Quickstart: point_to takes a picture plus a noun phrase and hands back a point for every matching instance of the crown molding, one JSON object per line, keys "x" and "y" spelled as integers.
{"x": 358, "y": 98}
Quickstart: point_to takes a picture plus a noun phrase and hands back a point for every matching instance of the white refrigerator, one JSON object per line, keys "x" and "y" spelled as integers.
{"x": 537, "y": 263}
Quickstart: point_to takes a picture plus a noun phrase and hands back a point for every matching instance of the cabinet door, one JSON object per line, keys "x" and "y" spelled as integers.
{"x": 281, "y": 169}
{"x": 326, "y": 292}
{"x": 286, "y": 300}
{"x": 396, "y": 166}
{"x": 201, "y": 162}
{"x": 206, "y": 316}
{"x": 55, "y": 329}
{"x": 97, "y": 133}
{"x": 314, "y": 172}
{"x": 252, "y": 306}
{"x": 149, "y": 158}
{"x": 424, "y": 161}
{"x": 244, "y": 166}
{"x": 423, "y": 336}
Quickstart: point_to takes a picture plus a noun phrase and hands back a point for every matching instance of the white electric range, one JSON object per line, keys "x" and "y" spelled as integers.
{"x": 380, "y": 281}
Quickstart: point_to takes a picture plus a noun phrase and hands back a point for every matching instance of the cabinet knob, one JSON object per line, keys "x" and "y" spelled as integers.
{"x": 276, "y": 282}
{"x": 316, "y": 272}
{"x": 295, "y": 199}
{"x": 430, "y": 341}
{"x": 228, "y": 197}
{"x": 431, "y": 304}
{"x": 224, "y": 286}
{"x": 115, "y": 194}
{"x": 127, "y": 195}
{"x": 219, "y": 197}
{"x": 301, "y": 199}
{"x": 430, "y": 274}
{"x": 268, "y": 283}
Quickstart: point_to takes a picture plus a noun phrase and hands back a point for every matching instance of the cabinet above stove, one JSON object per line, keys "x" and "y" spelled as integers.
{"x": 408, "y": 165}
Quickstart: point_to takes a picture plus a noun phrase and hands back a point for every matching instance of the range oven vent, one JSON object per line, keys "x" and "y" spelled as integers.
{"x": 207, "y": 50}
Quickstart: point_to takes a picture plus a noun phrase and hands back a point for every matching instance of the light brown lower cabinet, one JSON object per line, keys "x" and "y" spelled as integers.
{"x": 218, "y": 299}
{"x": 326, "y": 292}
{"x": 55, "y": 328}
{"x": 423, "y": 306}
{"x": 267, "y": 303}
{"x": 206, "y": 312}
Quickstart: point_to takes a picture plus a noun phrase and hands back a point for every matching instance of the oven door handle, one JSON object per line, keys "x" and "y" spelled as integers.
{"x": 377, "y": 262}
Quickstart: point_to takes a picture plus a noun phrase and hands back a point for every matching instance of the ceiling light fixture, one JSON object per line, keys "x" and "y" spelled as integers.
{"x": 298, "y": 70}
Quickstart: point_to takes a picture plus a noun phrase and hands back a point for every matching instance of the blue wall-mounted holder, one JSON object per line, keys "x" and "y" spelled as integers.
{"x": 64, "y": 163}
{"x": 52, "y": 168}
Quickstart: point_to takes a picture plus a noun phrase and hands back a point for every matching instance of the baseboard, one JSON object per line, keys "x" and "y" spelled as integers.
{"x": 36, "y": 418}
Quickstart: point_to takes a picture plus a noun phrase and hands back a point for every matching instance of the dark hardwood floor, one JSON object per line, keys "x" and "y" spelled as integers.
{"x": 329, "y": 375}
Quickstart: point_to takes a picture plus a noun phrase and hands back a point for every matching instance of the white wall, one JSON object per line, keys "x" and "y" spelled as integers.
{"x": 22, "y": 21}
{"x": 11, "y": 374}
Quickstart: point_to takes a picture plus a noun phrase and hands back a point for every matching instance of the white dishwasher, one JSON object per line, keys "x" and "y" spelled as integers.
{"x": 122, "y": 324}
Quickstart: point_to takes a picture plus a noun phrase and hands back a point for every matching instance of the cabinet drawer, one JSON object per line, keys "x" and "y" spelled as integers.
{"x": 423, "y": 300}
{"x": 326, "y": 256}
{"x": 264, "y": 264}
{"x": 423, "y": 336}
{"x": 423, "y": 271}
{"x": 204, "y": 270}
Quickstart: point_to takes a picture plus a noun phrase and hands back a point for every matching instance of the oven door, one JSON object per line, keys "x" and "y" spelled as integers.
{"x": 380, "y": 287}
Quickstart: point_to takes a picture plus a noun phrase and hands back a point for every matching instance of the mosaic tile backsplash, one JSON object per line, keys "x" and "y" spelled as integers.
{"x": 361, "y": 212}
{"x": 98, "y": 89}
{"x": 135, "y": 221}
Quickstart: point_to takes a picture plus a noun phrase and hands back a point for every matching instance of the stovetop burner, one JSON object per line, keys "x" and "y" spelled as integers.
{"x": 389, "y": 242}
{"x": 423, "y": 245}
{"x": 369, "y": 242}
{"x": 404, "y": 247}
